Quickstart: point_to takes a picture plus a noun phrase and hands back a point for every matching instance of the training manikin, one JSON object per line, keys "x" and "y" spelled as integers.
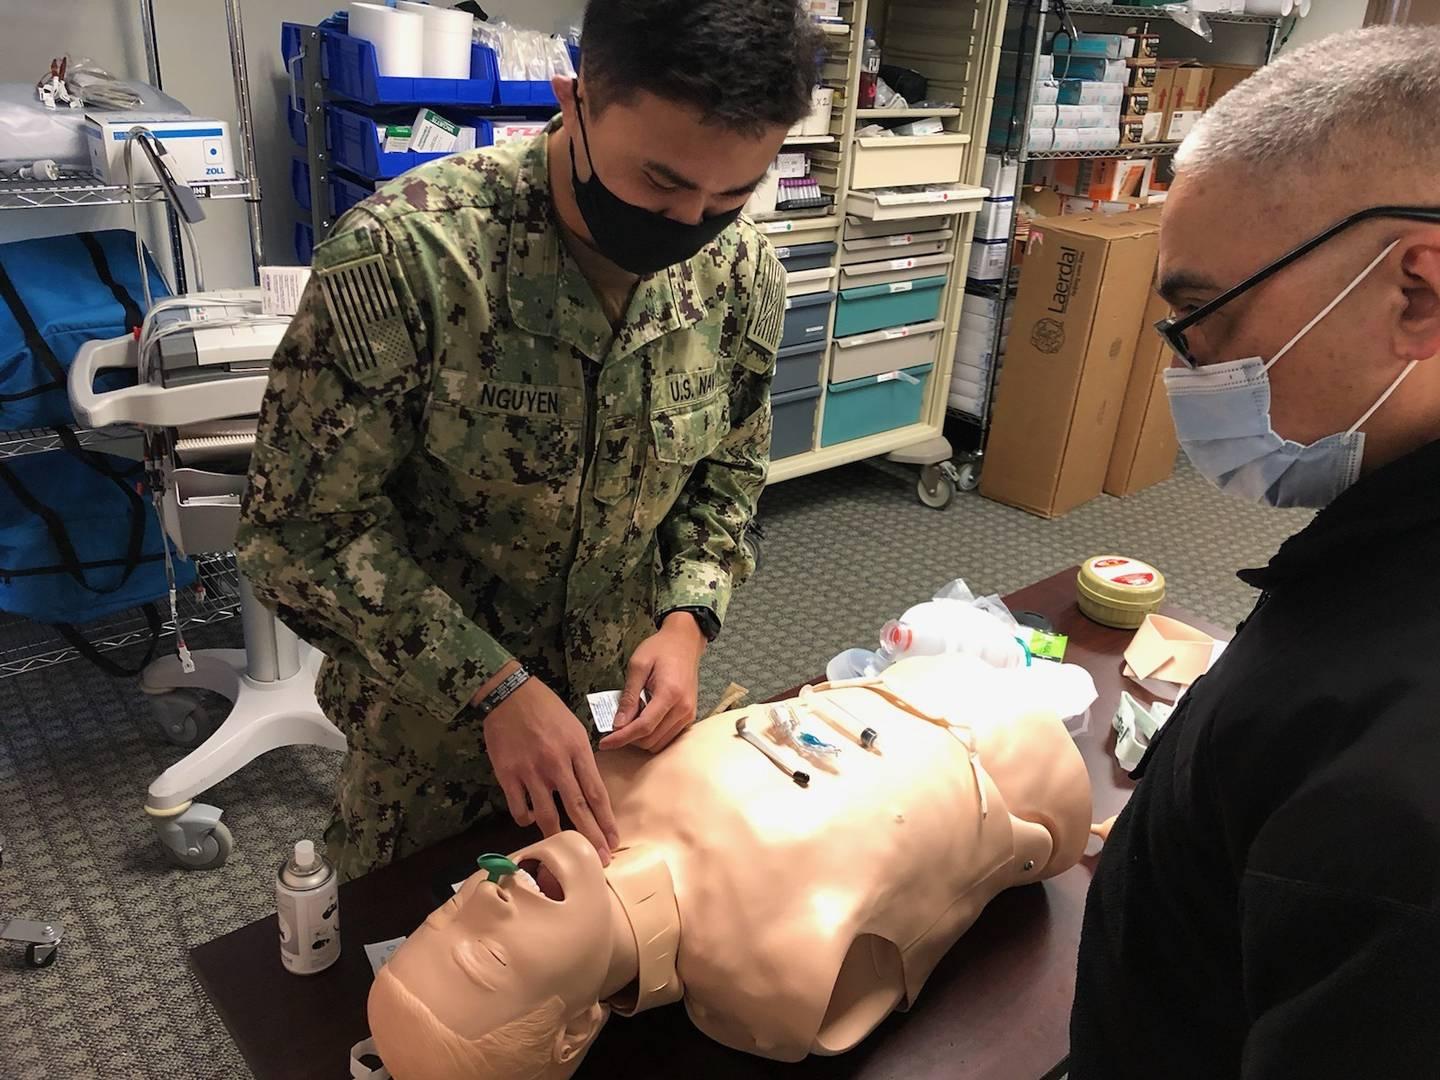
{"x": 790, "y": 920}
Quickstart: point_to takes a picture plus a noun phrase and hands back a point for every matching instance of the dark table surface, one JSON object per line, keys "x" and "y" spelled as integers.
{"x": 997, "y": 1007}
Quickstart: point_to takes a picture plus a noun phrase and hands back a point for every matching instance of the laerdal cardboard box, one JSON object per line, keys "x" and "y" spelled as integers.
{"x": 1084, "y": 287}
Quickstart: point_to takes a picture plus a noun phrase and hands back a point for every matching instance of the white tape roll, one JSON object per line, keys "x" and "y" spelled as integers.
{"x": 1271, "y": 8}
{"x": 448, "y": 37}
{"x": 398, "y": 37}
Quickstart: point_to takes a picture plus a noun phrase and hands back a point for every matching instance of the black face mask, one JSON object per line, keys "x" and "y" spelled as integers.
{"x": 633, "y": 238}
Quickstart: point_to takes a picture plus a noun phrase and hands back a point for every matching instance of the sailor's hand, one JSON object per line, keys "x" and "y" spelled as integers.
{"x": 668, "y": 666}
{"x": 539, "y": 750}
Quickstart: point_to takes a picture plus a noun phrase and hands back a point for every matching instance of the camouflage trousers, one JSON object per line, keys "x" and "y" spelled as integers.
{"x": 385, "y": 811}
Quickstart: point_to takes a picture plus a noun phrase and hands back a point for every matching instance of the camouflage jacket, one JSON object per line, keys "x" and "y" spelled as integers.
{"x": 460, "y": 461}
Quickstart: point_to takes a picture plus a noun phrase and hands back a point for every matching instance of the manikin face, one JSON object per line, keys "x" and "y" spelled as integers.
{"x": 497, "y": 951}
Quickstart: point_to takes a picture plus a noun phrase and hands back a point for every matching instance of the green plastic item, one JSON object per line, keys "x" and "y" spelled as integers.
{"x": 497, "y": 866}
{"x": 1048, "y": 646}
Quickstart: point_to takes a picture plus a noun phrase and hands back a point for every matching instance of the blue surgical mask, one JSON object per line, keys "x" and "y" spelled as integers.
{"x": 1222, "y": 418}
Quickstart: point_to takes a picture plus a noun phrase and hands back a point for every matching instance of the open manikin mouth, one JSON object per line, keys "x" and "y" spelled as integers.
{"x": 541, "y": 878}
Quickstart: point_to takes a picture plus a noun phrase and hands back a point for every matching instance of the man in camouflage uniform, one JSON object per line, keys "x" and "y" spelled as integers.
{"x": 522, "y": 418}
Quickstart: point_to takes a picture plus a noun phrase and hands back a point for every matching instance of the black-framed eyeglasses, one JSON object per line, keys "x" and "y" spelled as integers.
{"x": 1173, "y": 330}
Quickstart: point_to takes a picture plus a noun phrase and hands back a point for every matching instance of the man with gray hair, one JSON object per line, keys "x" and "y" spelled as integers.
{"x": 1269, "y": 903}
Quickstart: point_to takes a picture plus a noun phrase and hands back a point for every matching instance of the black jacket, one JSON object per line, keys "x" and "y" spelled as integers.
{"x": 1268, "y": 905}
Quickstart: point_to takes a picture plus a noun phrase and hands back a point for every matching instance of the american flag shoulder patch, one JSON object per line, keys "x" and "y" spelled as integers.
{"x": 767, "y": 305}
{"x": 371, "y": 338}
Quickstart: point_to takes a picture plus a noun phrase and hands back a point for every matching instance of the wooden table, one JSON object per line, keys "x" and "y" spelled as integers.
{"x": 997, "y": 1007}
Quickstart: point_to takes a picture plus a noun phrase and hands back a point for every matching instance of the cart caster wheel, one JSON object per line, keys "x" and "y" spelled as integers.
{"x": 969, "y": 479}
{"x": 937, "y": 497}
{"x": 209, "y": 852}
{"x": 41, "y": 956}
{"x": 186, "y": 718}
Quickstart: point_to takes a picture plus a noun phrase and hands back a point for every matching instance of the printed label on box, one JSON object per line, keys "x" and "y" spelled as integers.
{"x": 901, "y": 286}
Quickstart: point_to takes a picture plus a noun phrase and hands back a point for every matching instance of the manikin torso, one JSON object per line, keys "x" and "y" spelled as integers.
{"x": 808, "y": 914}
{"x": 791, "y": 920}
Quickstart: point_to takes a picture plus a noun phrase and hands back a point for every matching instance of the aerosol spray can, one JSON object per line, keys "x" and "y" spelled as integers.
{"x": 308, "y": 901}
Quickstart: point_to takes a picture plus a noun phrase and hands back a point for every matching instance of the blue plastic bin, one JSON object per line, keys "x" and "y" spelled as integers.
{"x": 345, "y": 192}
{"x": 798, "y": 257}
{"x": 300, "y": 183}
{"x": 295, "y": 119}
{"x": 798, "y": 367}
{"x": 807, "y": 319}
{"x": 355, "y": 146}
{"x": 862, "y": 407}
{"x": 879, "y": 307}
{"x": 352, "y": 71}
{"x": 794, "y": 420}
{"x": 304, "y": 242}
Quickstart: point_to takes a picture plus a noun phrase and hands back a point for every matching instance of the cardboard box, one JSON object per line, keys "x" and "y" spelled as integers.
{"x": 1142, "y": 76}
{"x": 1145, "y": 442}
{"x": 1132, "y": 130}
{"x": 1107, "y": 179}
{"x": 1158, "y": 118}
{"x": 1077, "y": 317}
{"x": 197, "y": 149}
{"x": 1137, "y": 102}
{"x": 1226, "y": 77}
{"x": 1191, "y": 88}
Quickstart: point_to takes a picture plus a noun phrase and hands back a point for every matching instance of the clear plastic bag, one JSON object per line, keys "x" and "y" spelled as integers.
{"x": 96, "y": 88}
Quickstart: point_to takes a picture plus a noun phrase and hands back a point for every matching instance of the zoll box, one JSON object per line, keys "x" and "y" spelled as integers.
{"x": 197, "y": 150}
{"x": 1077, "y": 317}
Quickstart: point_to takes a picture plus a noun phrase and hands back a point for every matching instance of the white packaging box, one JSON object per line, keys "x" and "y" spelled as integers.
{"x": 505, "y": 131}
{"x": 1095, "y": 93}
{"x": 1044, "y": 116}
{"x": 822, "y": 105}
{"x": 1087, "y": 116}
{"x": 995, "y": 218}
{"x": 1041, "y": 138}
{"x": 1044, "y": 67}
{"x": 987, "y": 259}
{"x": 197, "y": 149}
{"x": 792, "y": 166}
{"x": 1047, "y": 93}
{"x": 999, "y": 176}
{"x": 1097, "y": 138}
{"x": 823, "y": 8}
{"x": 968, "y": 405}
{"x": 1181, "y": 122}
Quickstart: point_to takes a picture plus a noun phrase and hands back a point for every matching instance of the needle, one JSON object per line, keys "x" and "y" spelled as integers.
{"x": 801, "y": 778}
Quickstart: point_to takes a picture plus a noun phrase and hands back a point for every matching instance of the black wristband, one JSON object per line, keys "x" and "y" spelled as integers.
{"x": 497, "y": 697}
{"x": 705, "y": 618}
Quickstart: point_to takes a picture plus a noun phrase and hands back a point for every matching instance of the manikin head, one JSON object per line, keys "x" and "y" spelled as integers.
{"x": 502, "y": 980}
{"x": 1346, "y": 124}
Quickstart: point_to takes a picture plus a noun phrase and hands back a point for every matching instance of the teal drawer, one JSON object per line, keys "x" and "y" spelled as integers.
{"x": 794, "y": 417}
{"x": 869, "y": 406}
{"x": 879, "y": 307}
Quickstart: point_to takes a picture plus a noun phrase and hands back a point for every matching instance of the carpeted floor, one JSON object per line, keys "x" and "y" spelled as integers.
{"x": 845, "y": 551}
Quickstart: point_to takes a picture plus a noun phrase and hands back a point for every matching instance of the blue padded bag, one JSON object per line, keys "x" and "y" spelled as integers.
{"x": 79, "y": 542}
{"x": 57, "y": 293}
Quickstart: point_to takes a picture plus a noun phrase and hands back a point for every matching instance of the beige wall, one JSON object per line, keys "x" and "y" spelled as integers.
{"x": 195, "y": 67}
{"x": 1327, "y": 17}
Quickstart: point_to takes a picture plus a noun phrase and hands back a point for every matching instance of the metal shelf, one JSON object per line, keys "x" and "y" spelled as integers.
{"x": 1128, "y": 11}
{"x": 112, "y": 440}
{"x": 26, "y": 646}
{"x": 1138, "y": 150}
{"x": 811, "y": 140}
{"x": 87, "y": 191}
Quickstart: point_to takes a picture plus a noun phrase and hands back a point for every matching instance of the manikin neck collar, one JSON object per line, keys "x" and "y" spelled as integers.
{"x": 641, "y": 882}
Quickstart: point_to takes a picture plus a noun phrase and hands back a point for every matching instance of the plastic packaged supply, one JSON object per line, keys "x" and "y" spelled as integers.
{"x": 870, "y": 71}
{"x": 951, "y": 626}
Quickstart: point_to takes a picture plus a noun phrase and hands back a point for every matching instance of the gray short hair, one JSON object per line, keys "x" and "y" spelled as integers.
{"x": 1373, "y": 89}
